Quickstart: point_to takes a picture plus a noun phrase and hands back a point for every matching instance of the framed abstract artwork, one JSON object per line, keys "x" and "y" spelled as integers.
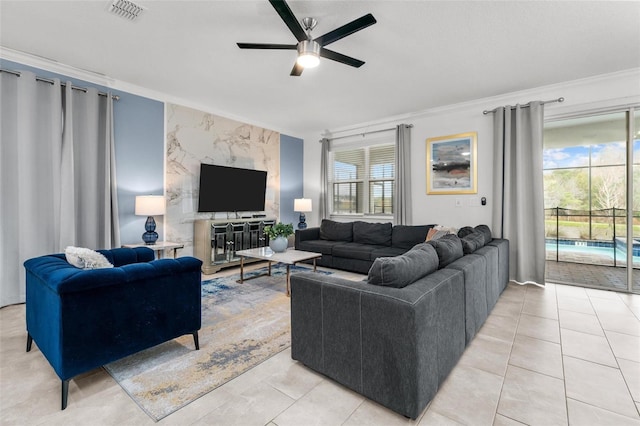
{"x": 452, "y": 164}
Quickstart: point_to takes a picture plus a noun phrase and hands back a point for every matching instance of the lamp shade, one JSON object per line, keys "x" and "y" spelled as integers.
{"x": 302, "y": 205}
{"x": 150, "y": 205}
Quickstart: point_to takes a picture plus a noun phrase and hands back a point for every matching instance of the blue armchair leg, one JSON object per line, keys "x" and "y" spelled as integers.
{"x": 65, "y": 393}
{"x": 195, "y": 340}
{"x": 29, "y": 342}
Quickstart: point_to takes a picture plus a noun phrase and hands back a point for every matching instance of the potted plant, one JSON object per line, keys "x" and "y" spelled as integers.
{"x": 278, "y": 234}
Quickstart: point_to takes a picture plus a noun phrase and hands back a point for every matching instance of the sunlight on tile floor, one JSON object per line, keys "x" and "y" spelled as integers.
{"x": 546, "y": 356}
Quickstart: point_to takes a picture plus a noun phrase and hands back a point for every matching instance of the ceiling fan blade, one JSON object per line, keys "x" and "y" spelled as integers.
{"x": 267, "y": 46}
{"x": 297, "y": 70}
{"x": 345, "y": 30}
{"x": 289, "y": 18}
{"x": 339, "y": 57}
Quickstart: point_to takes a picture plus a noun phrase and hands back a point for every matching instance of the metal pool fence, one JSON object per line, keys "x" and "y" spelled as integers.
{"x": 596, "y": 229}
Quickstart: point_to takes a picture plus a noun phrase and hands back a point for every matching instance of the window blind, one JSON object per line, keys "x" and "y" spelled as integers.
{"x": 349, "y": 165}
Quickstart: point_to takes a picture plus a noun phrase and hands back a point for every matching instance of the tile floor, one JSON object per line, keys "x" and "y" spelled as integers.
{"x": 547, "y": 356}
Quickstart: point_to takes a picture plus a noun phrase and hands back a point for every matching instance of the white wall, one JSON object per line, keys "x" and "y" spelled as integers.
{"x": 586, "y": 95}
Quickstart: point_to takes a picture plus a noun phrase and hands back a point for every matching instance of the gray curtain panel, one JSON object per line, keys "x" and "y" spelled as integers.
{"x": 323, "y": 209}
{"x": 56, "y": 154}
{"x": 518, "y": 189}
{"x": 402, "y": 193}
{"x": 89, "y": 217}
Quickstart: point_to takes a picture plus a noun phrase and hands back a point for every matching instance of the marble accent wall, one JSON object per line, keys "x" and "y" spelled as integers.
{"x": 195, "y": 137}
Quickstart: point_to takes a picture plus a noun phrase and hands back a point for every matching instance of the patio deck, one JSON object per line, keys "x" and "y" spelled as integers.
{"x": 584, "y": 274}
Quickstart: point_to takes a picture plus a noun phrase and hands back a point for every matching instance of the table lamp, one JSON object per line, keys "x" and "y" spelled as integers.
{"x": 150, "y": 205}
{"x": 302, "y": 205}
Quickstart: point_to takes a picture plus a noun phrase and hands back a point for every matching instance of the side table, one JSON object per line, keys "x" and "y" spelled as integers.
{"x": 159, "y": 247}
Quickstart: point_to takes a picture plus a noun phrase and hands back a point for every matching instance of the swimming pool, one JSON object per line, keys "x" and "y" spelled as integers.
{"x": 582, "y": 250}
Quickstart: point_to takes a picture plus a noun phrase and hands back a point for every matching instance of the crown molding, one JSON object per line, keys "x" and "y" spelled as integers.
{"x": 55, "y": 66}
{"x": 521, "y": 96}
{"x": 51, "y": 65}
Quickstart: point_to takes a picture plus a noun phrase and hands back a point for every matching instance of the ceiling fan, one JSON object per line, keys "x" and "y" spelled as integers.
{"x": 310, "y": 49}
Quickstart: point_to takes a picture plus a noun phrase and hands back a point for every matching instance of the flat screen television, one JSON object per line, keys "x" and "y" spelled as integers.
{"x": 231, "y": 189}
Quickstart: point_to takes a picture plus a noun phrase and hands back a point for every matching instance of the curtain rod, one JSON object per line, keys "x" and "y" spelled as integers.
{"x": 485, "y": 112}
{"x": 50, "y": 81}
{"x": 366, "y": 133}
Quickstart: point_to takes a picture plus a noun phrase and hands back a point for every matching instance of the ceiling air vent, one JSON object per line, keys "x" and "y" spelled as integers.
{"x": 126, "y": 9}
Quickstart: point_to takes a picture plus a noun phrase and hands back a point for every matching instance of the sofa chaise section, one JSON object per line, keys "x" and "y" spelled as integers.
{"x": 392, "y": 345}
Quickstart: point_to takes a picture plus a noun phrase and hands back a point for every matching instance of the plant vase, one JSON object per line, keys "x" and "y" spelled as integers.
{"x": 279, "y": 244}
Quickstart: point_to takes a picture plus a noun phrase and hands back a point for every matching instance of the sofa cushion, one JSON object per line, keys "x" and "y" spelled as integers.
{"x": 336, "y": 231}
{"x": 472, "y": 242}
{"x": 484, "y": 230}
{"x": 400, "y": 271}
{"x": 372, "y": 233}
{"x": 448, "y": 247}
{"x": 423, "y": 246}
{"x": 387, "y": 252}
{"x": 465, "y": 230}
{"x": 406, "y": 236}
{"x": 318, "y": 246}
{"x": 125, "y": 256}
{"x": 354, "y": 250}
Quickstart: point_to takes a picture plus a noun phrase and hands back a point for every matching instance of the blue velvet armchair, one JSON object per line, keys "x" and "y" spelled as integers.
{"x": 83, "y": 319}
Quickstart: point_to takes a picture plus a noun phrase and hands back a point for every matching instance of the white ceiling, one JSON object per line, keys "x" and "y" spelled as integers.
{"x": 420, "y": 54}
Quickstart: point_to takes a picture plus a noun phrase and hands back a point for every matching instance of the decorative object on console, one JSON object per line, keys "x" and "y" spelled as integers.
{"x": 150, "y": 205}
{"x": 452, "y": 164}
{"x": 302, "y": 206}
{"x": 278, "y": 234}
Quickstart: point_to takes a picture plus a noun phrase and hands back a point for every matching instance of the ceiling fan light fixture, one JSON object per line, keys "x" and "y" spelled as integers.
{"x": 308, "y": 54}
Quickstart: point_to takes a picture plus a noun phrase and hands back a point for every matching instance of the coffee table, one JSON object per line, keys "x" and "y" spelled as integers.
{"x": 288, "y": 257}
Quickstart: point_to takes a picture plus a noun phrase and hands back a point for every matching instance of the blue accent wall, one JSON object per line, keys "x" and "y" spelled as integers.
{"x": 139, "y": 136}
{"x": 139, "y": 146}
{"x": 291, "y": 177}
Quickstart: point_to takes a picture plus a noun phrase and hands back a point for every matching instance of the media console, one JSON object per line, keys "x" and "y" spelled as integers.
{"x": 216, "y": 241}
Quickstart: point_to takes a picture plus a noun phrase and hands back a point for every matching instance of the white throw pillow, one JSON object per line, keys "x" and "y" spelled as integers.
{"x": 85, "y": 258}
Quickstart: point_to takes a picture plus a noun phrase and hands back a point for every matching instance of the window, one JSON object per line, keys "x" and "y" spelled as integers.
{"x": 584, "y": 166}
{"x": 362, "y": 180}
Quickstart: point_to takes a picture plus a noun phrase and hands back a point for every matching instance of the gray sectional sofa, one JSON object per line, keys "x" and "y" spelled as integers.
{"x": 353, "y": 246}
{"x": 395, "y": 336}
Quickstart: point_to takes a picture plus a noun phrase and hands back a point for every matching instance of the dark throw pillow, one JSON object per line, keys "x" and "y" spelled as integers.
{"x": 449, "y": 249}
{"x": 484, "y": 230}
{"x": 407, "y": 236}
{"x": 336, "y": 231}
{"x": 400, "y": 271}
{"x": 472, "y": 242}
{"x": 465, "y": 230}
{"x": 372, "y": 233}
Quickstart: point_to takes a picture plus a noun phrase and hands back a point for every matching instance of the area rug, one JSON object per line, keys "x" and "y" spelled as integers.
{"x": 242, "y": 326}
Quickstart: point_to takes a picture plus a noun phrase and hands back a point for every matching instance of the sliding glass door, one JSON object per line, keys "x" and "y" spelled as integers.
{"x": 633, "y": 274}
{"x": 592, "y": 200}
